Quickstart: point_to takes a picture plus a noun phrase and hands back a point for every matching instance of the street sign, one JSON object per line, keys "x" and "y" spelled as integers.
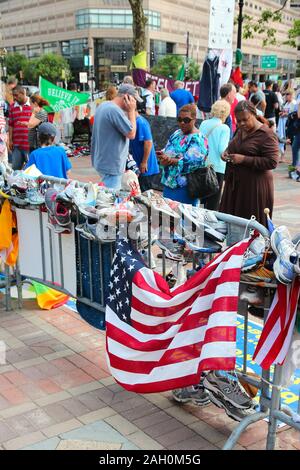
{"x": 221, "y": 24}
{"x": 83, "y": 77}
{"x": 269, "y": 62}
{"x": 118, "y": 68}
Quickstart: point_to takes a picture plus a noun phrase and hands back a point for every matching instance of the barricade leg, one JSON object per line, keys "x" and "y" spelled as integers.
{"x": 242, "y": 427}
{"x": 7, "y": 289}
{"x": 19, "y": 286}
{"x": 275, "y": 406}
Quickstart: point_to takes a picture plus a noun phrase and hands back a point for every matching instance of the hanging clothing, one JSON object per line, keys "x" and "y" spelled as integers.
{"x": 209, "y": 84}
{"x": 225, "y": 66}
{"x": 9, "y": 240}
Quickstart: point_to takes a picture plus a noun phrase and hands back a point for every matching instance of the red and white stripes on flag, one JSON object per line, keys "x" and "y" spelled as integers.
{"x": 175, "y": 334}
{"x": 276, "y": 336}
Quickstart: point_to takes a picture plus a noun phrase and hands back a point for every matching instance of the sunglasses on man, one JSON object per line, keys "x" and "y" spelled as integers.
{"x": 186, "y": 120}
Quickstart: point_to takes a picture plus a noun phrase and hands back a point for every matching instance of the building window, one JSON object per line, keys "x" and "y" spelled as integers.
{"x": 34, "y": 50}
{"x": 110, "y": 19}
{"x": 20, "y": 49}
{"x": 49, "y": 47}
{"x": 73, "y": 51}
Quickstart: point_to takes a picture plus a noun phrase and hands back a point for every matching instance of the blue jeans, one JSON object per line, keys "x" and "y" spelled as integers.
{"x": 296, "y": 149}
{"x": 18, "y": 158}
{"x": 111, "y": 181}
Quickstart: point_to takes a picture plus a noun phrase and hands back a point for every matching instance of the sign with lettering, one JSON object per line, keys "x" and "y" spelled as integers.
{"x": 83, "y": 77}
{"x": 59, "y": 98}
{"x": 269, "y": 62}
{"x": 140, "y": 76}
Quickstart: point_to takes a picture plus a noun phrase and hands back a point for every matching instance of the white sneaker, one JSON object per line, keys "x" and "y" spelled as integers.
{"x": 158, "y": 204}
{"x": 197, "y": 216}
{"x": 287, "y": 256}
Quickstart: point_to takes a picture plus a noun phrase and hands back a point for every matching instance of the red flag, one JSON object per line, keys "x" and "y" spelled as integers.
{"x": 277, "y": 333}
{"x": 159, "y": 339}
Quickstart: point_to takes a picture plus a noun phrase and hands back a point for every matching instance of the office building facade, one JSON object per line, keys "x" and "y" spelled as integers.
{"x": 102, "y": 29}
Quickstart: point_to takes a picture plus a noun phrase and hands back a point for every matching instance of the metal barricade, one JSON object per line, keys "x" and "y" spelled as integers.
{"x": 93, "y": 261}
{"x": 270, "y": 400}
{"x": 11, "y": 277}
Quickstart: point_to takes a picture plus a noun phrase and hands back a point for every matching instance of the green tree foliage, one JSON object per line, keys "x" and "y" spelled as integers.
{"x": 49, "y": 66}
{"x": 294, "y": 35}
{"x": 170, "y": 65}
{"x": 265, "y": 27}
{"x": 15, "y": 62}
{"x": 193, "y": 70}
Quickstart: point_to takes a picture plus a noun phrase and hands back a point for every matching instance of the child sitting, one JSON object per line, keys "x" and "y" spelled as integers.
{"x": 50, "y": 159}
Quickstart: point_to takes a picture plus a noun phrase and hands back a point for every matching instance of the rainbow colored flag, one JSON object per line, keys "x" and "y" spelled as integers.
{"x": 48, "y": 298}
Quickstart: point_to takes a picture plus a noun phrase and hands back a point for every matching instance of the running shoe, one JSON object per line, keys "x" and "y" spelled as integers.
{"x": 254, "y": 295}
{"x": 158, "y": 204}
{"x": 66, "y": 195}
{"x": 194, "y": 216}
{"x": 287, "y": 256}
{"x": 104, "y": 198}
{"x": 59, "y": 214}
{"x": 34, "y": 197}
{"x": 54, "y": 227}
{"x": 251, "y": 261}
{"x": 261, "y": 275}
{"x": 195, "y": 394}
{"x": 229, "y": 389}
{"x": 171, "y": 248}
{"x": 238, "y": 414}
{"x": 87, "y": 230}
{"x": 258, "y": 246}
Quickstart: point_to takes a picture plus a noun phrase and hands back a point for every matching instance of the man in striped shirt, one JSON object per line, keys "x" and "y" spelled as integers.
{"x": 19, "y": 113}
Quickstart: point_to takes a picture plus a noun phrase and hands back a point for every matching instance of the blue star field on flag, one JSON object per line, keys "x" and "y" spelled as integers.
{"x": 126, "y": 263}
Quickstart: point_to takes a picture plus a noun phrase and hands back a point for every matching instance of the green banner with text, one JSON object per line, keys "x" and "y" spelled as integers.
{"x": 59, "y": 98}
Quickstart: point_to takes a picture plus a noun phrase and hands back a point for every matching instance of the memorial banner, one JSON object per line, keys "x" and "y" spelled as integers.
{"x": 59, "y": 98}
{"x": 140, "y": 76}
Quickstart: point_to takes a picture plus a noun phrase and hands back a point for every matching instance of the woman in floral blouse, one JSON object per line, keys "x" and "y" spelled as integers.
{"x": 185, "y": 152}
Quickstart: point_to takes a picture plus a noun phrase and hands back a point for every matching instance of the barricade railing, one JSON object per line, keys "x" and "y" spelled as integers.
{"x": 93, "y": 261}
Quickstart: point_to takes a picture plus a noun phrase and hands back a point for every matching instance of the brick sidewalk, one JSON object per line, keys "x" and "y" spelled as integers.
{"x": 56, "y": 391}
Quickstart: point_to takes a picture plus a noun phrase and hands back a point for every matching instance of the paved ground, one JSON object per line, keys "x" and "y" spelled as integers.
{"x": 56, "y": 392}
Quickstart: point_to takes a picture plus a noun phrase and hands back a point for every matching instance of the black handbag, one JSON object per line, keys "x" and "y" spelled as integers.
{"x": 202, "y": 183}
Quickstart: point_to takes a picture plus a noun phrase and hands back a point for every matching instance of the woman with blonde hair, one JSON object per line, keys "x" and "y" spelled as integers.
{"x": 218, "y": 135}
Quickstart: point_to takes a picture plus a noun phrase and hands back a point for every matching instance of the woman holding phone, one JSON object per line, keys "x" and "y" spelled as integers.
{"x": 185, "y": 152}
{"x": 250, "y": 157}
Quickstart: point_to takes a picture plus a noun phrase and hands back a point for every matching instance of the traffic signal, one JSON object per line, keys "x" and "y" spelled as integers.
{"x": 123, "y": 56}
{"x": 152, "y": 58}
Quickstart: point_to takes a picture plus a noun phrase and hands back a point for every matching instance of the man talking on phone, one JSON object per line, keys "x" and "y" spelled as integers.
{"x": 114, "y": 125}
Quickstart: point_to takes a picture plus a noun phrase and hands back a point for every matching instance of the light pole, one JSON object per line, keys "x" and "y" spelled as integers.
{"x": 187, "y": 46}
{"x": 240, "y": 24}
{"x": 3, "y": 54}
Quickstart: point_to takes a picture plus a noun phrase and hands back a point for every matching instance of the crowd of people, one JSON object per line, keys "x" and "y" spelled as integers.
{"x": 243, "y": 138}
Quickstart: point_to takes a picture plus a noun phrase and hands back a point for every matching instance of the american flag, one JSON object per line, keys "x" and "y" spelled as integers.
{"x": 276, "y": 336}
{"x": 159, "y": 339}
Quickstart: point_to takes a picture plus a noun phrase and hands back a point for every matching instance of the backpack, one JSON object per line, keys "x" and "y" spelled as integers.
{"x": 293, "y": 124}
